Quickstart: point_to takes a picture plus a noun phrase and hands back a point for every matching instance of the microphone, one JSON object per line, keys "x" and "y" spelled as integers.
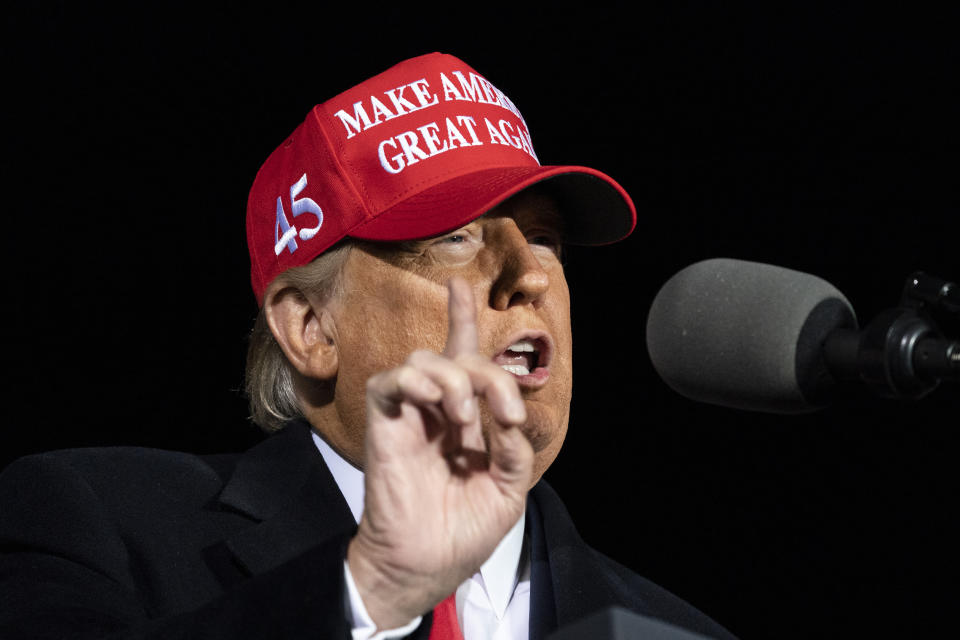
{"x": 759, "y": 337}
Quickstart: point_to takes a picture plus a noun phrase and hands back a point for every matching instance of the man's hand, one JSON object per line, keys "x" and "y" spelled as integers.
{"x": 437, "y": 501}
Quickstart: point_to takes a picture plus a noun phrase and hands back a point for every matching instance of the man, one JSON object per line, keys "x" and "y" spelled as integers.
{"x": 413, "y": 351}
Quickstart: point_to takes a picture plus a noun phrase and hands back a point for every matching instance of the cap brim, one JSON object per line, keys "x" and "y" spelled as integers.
{"x": 596, "y": 210}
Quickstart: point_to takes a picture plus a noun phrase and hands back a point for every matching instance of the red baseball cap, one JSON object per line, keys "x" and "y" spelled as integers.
{"x": 418, "y": 150}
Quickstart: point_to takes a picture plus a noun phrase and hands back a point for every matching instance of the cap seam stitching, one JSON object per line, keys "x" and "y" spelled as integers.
{"x": 261, "y": 283}
{"x": 344, "y": 166}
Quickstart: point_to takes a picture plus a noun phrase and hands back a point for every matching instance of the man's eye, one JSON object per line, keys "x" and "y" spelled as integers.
{"x": 457, "y": 241}
{"x": 549, "y": 241}
{"x": 546, "y": 240}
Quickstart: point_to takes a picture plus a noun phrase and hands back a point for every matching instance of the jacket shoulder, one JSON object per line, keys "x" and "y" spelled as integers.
{"x": 117, "y": 471}
{"x": 80, "y": 503}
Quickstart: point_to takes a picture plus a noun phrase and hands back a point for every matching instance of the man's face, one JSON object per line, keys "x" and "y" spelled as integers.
{"x": 394, "y": 301}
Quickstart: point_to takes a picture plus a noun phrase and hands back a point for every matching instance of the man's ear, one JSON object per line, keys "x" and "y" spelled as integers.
{"x": 303, "y": 330}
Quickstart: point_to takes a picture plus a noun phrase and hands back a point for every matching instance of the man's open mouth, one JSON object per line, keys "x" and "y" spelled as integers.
{"x": 527, "y": 357}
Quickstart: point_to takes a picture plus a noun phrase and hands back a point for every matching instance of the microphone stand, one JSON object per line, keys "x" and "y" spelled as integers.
{"x": 902, "y": 353}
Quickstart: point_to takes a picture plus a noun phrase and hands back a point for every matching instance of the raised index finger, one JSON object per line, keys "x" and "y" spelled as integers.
{"x": 462, "y": 312}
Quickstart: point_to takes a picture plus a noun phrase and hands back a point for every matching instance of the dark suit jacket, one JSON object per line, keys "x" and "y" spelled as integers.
{"x": 142, "y": 543}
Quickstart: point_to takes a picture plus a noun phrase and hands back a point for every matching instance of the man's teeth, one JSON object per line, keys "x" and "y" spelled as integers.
{"x": 522, "y": 346}
{"x": 519, "y": 364}
{"x": 516, "y": 369}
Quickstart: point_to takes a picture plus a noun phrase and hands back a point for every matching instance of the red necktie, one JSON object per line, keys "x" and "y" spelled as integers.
{"x": 445, "y": 625}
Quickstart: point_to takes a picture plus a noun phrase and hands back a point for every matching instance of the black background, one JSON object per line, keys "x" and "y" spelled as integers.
{"x": 820, "y": 138}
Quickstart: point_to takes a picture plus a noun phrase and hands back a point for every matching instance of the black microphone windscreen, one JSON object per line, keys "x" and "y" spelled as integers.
{"x": 746, "y": 335}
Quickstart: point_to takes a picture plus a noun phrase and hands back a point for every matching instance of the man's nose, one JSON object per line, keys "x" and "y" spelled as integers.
{"x": 522, "y": 279}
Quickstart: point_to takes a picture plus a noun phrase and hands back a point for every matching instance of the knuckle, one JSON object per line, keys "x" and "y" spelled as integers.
{"x": 375, "y": 382}
{"x": 458, "y": 381}
{"x": 495, "y": 372}
{"x": 503, "y": 382}
{"x": 405, "y": 375}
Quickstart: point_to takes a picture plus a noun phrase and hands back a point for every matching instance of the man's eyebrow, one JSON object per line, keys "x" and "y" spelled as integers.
{"x": 547, "y": 216}
{"x": 412, "y": 246}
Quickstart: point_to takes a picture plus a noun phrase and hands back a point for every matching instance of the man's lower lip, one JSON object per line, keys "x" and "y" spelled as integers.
{"x": 536, "y": 378}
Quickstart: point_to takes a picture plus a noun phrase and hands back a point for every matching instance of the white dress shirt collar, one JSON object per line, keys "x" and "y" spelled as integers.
{"x": 500, "y": 572}
{"x": 347, "y": 476}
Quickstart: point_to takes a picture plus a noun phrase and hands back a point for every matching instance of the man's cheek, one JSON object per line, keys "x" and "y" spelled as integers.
{"x": 400, "y": 335}
{"x": 425, "y": 330}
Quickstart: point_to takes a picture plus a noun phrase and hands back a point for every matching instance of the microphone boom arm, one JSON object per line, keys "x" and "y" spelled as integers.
{"x": 901, "y": 353}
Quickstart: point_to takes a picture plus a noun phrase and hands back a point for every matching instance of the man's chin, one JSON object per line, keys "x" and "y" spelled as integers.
{"x": 545, "y": 428}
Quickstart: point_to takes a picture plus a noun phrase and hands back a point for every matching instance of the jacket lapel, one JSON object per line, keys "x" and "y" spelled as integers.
{"x": 285, "y": 487}
{"x": 543, "y": 614}
{"x": 567, "y": 581}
